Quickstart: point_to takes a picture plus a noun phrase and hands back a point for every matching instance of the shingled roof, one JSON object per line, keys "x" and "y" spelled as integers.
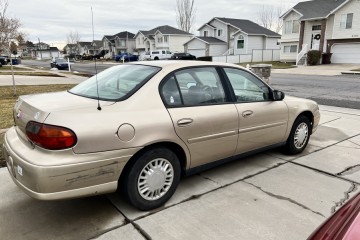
{"x": 316, "y": 9}
{"x": 165, "y": 29}
{"x": 249, "y": 27}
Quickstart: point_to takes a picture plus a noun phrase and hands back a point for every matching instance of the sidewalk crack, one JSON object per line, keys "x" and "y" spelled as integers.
{"x": 349, "y": 170}
{"x": 347, "y": 193}
{"x": 285, "y": 199}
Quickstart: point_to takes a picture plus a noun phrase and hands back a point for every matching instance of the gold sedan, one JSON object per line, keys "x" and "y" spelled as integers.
{"x": 139, "y": 127}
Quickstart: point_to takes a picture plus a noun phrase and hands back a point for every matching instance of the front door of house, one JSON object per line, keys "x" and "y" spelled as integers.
{"x": 315, "y": 37}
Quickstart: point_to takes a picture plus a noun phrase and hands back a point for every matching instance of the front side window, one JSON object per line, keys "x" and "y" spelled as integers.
{"x": 115, "y": 83}
{"x": 346, "y": 21}
{"x": 193, "y": 87}
{"x": 247, "y": 87}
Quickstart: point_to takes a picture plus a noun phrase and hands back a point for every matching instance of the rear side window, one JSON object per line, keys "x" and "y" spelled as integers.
{"x": 193, "y": 87}
{"x": 247, "y": 87}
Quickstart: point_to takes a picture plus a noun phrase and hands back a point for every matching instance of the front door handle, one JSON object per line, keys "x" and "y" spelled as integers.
{"x": 184, "y": 122}
{"x": 247, "y": 113}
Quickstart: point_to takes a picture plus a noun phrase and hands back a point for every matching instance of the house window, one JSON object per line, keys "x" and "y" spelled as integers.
{"x": 122, "y": 43}
{"x": 316, "y": 27}
{"x": 138, "y": 40}
{"x": 290, "y": 49}
{"x": 160, "y": 39}
{"x": 346, "y": 21}
{"x": 220, "y": 31}
{"x": 240, "y": 42}
{"x": 292, "y": 26}
{"x": 206, "y": 33}
{"x": 166, "y": 39}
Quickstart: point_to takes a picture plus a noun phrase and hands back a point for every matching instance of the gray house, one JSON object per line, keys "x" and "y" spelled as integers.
{"x": 229, "y": 36}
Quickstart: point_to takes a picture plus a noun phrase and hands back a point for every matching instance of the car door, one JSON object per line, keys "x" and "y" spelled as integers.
{"x": 202, "y": 115}
{"x": 262, "y": 121}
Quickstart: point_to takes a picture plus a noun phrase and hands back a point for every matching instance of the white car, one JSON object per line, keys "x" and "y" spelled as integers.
{"x": 160, "y": 54}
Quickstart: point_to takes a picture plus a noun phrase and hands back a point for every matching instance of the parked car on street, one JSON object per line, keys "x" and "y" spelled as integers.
{"x": 344, "y": 224}
{"x": 159, "y": 54}
{"x": 59, "y": 63}
{"x": 183, "y": 56}
{"x": 4, "y": 60}
{"x": 128, "y": 57}
{"x": 138, "y": 127}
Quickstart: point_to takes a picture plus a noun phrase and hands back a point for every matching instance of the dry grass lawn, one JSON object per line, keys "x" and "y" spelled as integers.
{"x": 8, "y": 68}
{"x": 42, "y": 74}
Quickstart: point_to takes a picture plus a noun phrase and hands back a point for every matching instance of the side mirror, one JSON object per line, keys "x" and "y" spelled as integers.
{"x": 278, "y": 95}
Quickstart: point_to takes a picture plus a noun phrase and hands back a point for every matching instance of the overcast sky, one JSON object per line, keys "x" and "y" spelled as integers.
{"x": 52, "y": 20}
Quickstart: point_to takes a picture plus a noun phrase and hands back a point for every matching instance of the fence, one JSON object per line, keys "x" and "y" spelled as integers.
{"x": 261, "y": 55}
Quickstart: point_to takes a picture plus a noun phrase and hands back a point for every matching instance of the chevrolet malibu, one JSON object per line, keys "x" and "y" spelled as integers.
{"x": 139, "y": 127}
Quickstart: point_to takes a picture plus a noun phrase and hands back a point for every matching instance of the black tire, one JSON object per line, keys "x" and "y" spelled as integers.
{"x": 131, "y": 180}
{"x": 156, "y": 58}
{"x": 301, "y": 125}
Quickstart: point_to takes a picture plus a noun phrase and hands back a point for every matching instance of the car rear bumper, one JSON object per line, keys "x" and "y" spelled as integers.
{"x": 87, "y": 174}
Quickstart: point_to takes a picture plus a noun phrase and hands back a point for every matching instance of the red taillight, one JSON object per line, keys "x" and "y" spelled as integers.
{"x": 50, "y": 137}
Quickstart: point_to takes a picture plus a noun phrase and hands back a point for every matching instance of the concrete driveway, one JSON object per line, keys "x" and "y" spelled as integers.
{"x": 266, "y": 196}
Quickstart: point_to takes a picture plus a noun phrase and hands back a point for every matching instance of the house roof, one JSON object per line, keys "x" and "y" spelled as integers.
{"x": 209, "y": 40}
{"x": 316, "y": 9}
{"x": 124, "y": 34}
{"x": 98, "y": 43}
{"x": 165, "y": 29}
{"x": 83, "y": 44}
{"x": 248, "y": 27}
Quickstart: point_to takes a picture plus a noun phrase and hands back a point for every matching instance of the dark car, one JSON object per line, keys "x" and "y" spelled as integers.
{"x": 183, "y": 56}
{"x": 59, "y": 63}
{"x": 4, "y": 60}
{"x": 128, "y": 57}
{"x": 343, "y": 224}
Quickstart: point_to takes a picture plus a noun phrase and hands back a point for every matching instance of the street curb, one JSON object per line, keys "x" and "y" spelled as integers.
{"x": 3, "y": 130}
{"x": 351, "y": 73}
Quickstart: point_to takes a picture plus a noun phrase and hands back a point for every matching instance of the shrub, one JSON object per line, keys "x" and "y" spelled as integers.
{"x": 313, "y": 57}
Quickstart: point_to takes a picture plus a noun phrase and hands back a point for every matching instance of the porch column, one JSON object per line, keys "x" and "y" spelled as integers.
{"x": 322, "y": 35}
{"x": 301, "y": 37}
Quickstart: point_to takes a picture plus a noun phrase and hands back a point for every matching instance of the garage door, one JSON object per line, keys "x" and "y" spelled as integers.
{"x": 197, "y": 52}
{"x": 346, "y": 53}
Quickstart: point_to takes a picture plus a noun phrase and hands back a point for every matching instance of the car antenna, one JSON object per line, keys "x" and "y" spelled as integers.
{"x": 97, "y": 84}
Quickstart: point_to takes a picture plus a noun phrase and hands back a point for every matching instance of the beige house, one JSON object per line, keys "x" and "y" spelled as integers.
{"x": 331, "y": 26}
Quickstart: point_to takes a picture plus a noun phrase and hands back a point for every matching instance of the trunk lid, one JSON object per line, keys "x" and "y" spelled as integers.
{"x": 37, "y": 107}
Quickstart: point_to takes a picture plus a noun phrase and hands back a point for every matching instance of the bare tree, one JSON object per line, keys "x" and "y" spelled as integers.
{"x": 9, "y": 28}
{"x": 72, "y": 40}
{"x": 185, "y": 14}
{"x": 269, "y": 17}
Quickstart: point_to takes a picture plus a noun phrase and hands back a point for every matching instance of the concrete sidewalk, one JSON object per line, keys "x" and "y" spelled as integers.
{"x": 6, "y": 80}
{"x": 266, "y": 196}
{"x": 325, "y": 69}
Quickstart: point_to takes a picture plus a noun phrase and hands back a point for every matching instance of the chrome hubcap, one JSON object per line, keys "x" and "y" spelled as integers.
{"x": 155, "y": 179}
{"x": 301, "y": 135}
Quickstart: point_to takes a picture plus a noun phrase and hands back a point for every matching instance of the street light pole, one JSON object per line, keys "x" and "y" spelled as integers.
{"x": 40, "y": 49}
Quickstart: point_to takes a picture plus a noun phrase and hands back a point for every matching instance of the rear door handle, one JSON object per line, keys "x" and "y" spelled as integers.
{"x": 247, "y": 113}
{"x": 184, "y": 122}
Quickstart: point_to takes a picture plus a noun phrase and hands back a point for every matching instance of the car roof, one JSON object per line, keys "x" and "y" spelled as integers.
{"x": 174, "y": 64}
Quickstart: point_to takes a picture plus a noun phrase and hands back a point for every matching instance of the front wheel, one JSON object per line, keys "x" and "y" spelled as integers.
{"x": 152, "y": 179}
{"x": 299, "y": 136}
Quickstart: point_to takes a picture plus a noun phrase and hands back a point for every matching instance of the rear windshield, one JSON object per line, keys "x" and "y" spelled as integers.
{"x": 115, "y": 83}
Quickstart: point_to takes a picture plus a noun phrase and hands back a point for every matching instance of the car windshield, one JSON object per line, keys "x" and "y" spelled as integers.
{"x": 115, "y": 83}
{"x": 60, "y": 60}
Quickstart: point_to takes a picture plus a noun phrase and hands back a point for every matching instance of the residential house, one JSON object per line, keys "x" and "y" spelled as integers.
{"x": 93, "y": 48}
{"x": 81, "y": 47}
{"x": 70, "y": 49}
{"x": 118, "y": 43}
{"x": 162, "y": 37}
{"x": 331, "y": 26}
{"x": 229, "y": 36}
{"x": 49, "y": 53}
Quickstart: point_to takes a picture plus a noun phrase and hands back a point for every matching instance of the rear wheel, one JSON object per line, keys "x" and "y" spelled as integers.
{"x": 152, "y": 179}
{"x": 156, "y": 58}
{"x": 299, "y": 135}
